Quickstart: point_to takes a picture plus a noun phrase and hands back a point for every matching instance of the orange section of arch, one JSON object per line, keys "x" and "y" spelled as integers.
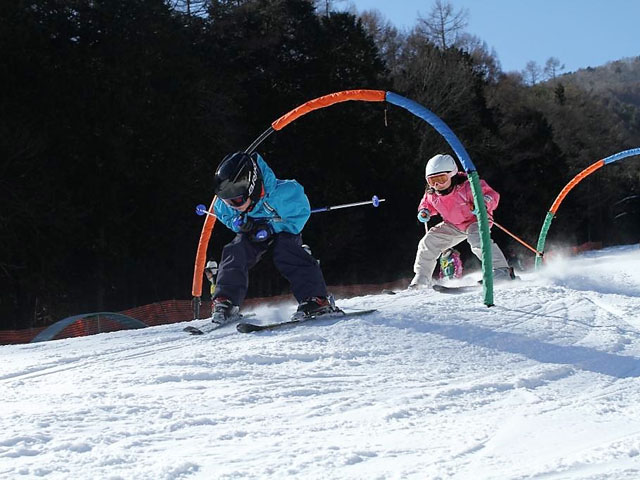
{"x": 327, "y": 100}
{"x": 576, "y": 180}
{"x": 201, "y": 254}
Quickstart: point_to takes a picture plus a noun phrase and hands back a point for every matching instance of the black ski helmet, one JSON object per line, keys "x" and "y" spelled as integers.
{"x": 237, "y": 178}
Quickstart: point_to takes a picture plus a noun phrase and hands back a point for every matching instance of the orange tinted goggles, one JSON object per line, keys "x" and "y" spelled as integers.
{"x": 438, "y": 179}
{"x": 235, "y": 201}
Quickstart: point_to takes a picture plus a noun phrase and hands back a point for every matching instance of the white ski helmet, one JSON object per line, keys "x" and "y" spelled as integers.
{"x": 212, "y": 265}
{"x": 441, "y": 163}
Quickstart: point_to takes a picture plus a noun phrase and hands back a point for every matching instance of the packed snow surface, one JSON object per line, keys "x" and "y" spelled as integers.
{"x": 543, "y": 385}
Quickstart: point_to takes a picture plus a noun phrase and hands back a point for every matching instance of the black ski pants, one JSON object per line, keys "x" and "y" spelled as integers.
{"x": 292, "y": 261}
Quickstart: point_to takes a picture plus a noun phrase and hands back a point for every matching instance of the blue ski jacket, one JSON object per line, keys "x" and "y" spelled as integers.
{"x": 284, "y": 206}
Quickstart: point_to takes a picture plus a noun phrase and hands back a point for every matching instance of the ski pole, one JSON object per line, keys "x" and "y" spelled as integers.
{"x": 518, "y": 239}
{"x": 202, "y": 210}
{"x": 375, "y": 201}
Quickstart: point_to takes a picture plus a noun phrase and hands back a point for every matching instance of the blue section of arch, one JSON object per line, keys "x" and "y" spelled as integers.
{"x": 435, "y": 121}
{"x": 51, "y": 332}
{"x": 621, "y": 155}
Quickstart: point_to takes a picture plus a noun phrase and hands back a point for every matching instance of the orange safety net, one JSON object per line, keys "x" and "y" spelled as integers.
{"x": 8, "y": 337}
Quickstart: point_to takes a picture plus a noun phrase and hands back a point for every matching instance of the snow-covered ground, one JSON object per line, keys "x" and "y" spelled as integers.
{"x": 544, "y": 385}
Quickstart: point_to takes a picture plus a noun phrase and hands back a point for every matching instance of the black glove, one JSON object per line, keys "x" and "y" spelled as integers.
{"x": 244, "y": 223}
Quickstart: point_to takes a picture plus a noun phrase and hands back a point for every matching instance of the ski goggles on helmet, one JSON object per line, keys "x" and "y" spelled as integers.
{"x": 438, "y": 178}
{"x": 237, "y": 201}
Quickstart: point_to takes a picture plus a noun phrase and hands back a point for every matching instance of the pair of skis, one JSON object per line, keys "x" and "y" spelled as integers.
{"x": 247, "y": 327}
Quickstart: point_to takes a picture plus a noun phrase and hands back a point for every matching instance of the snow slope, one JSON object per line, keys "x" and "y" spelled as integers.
{"x": 544, "y": 385}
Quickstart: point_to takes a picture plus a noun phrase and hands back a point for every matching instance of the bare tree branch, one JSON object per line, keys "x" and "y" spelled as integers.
{"x": 552, "y": 68}
{"x": 532, "y": 72}
{"x": 443, "y": 25}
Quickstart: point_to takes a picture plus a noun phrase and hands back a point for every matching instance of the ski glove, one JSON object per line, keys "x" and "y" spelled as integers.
{"x": 474, "y": 210}
{"x": 424, "y": 215}
{"x": 244, "y": 224}
{"x": 258, "y": 230}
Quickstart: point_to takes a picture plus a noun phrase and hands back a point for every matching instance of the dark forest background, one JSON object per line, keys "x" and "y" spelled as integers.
{"x": 115, "y": 113}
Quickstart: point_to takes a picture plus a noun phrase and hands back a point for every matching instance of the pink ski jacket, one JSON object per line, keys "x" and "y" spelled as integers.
{"x": 456, "y": 207}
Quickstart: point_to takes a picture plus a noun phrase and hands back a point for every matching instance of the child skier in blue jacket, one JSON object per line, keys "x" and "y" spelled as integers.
{"x": 266, "y": 213}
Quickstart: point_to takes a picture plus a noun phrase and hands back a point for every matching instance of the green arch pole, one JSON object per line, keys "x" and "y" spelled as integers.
{"x": 485, "y": 237}
{"x": 543, "y": 237}
{"x": 567, "y": 188}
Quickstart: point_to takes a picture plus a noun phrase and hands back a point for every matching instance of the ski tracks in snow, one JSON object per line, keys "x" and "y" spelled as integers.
{"x": 543, "y": 385}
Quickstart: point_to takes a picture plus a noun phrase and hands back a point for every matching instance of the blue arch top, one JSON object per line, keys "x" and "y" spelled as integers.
{"x": 435, "y": 121}
{"x": 621, "y": 155}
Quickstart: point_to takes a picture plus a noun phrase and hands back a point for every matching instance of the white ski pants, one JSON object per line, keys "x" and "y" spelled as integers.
{"x": 443, "y": 236}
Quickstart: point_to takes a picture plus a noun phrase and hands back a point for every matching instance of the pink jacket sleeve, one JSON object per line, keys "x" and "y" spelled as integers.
{"x": 425, "y": 203}
{"x": 491, "y": 197}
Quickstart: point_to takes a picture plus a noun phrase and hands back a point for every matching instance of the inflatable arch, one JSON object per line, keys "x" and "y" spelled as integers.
{"x": 370, "y": 96}
{"x": 52, "y": 331}
{"x": 567, "y": 188}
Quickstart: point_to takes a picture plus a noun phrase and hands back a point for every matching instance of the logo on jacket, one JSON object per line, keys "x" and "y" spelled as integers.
{"x": 252, "y": 184}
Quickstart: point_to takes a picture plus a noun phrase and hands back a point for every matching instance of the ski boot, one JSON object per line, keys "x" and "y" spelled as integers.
{"x": 314, "y": 307}
{"x": 419, "y": 281}
{"x": 501, "y": 275}
{"x": 224, "y": 311}
{"x": 504, "y": 274}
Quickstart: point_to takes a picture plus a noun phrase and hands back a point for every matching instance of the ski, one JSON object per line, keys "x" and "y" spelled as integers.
{"x": 251, "y": 327}
{"x": 202, "y": 330}
{"x": 477, "y": 286}
{"x": 211, "y": 326}
{"x": 456, "y": 290}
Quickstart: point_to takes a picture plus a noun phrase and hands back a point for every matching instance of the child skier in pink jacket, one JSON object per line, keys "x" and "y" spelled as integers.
{"x": 449, "y": 195}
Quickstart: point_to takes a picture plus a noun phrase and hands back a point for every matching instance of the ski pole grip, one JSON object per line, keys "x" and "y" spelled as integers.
{"x": 262, "y": 235}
